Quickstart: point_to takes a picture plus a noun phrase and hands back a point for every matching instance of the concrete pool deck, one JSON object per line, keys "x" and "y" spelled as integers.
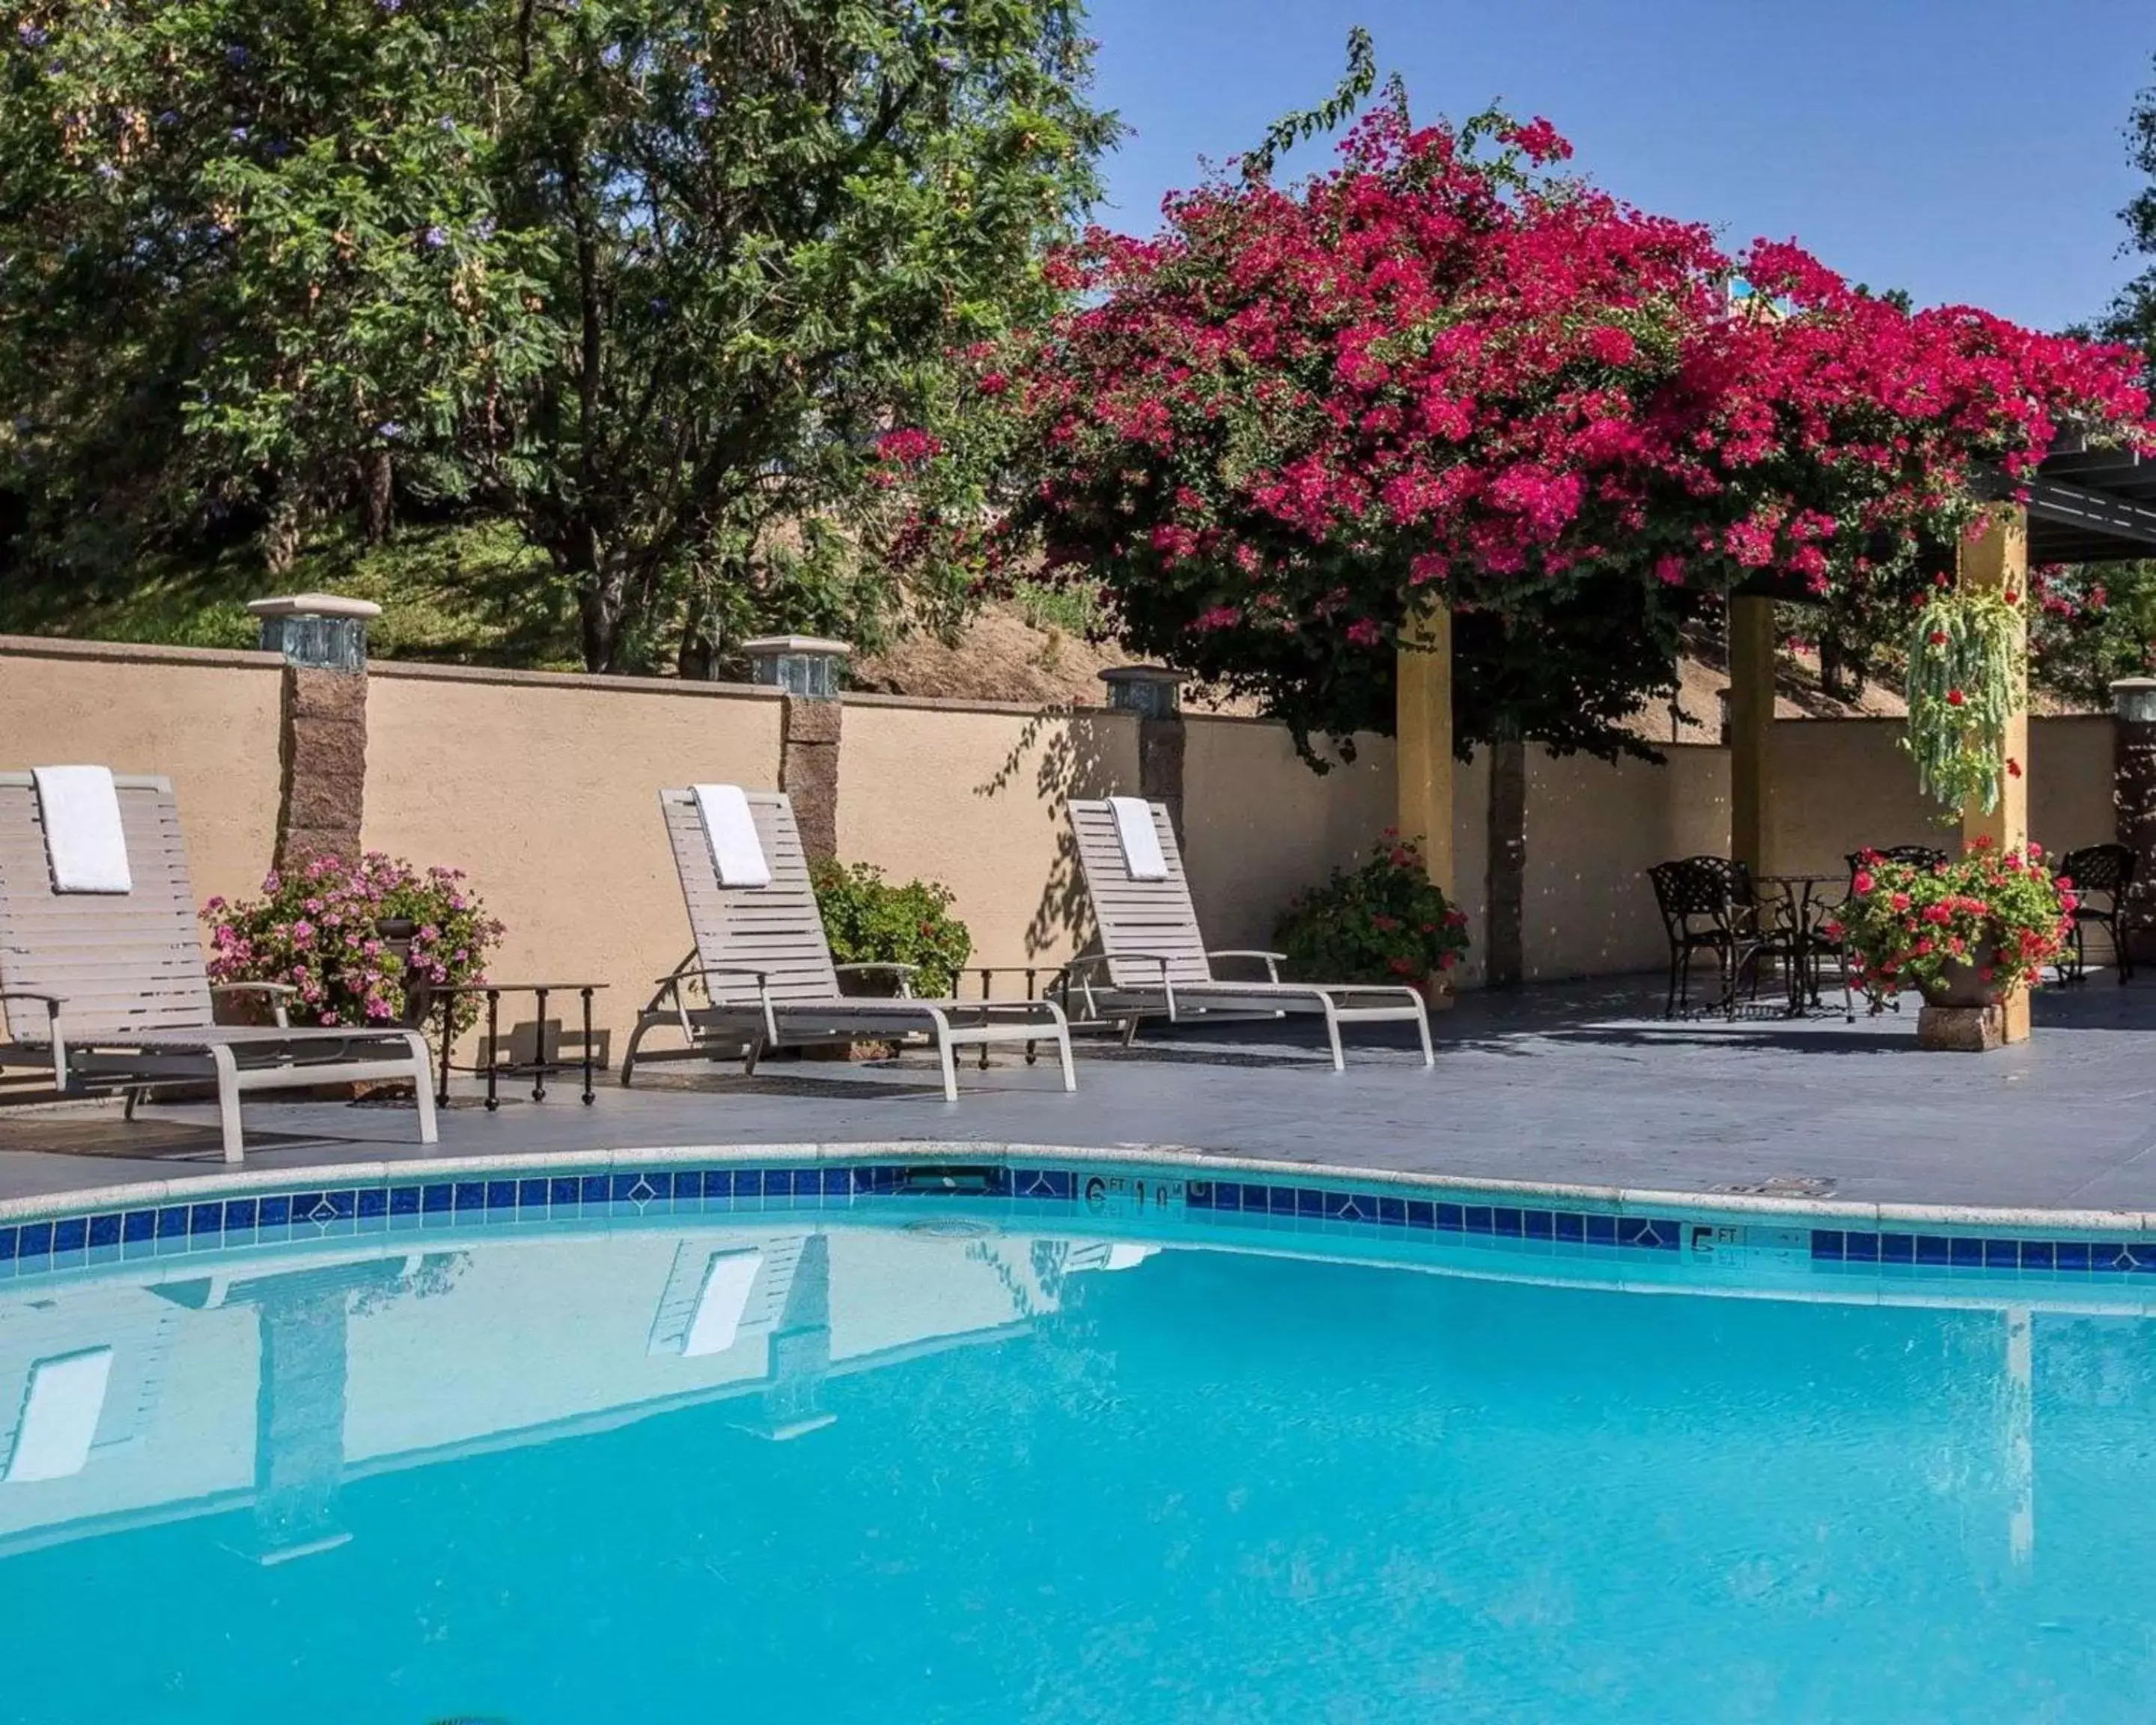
{"x": 1577, "y": 1085}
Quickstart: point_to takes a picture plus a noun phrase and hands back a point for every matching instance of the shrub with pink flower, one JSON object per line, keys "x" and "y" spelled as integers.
{"x": 1384, "y": 923}
{"x": 2003, "y": 915}
{"x": 320, "y": 931}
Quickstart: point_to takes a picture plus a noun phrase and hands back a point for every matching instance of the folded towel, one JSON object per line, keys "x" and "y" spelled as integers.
{"x": 60, "y": 1412}
{"x": 730, "y": 827}
{"x": 1141, "y": 854}
{"x": 85, "y": 844}
{"x": 727, "y": 1279}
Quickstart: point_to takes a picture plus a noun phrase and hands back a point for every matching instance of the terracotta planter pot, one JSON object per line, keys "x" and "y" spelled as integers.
{"x": 1437, "y": 993}
{"x": 1961, "y": 984}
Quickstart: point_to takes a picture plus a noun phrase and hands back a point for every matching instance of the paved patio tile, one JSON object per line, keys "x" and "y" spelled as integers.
{"x": 1571, "y": 1083}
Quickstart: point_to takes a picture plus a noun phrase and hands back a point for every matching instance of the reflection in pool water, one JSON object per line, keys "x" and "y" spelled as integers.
{"x": 855, "y": 1471}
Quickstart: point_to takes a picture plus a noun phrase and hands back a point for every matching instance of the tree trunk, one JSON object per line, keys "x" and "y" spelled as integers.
{"x": 378, "y": 500}
{"x": 280, "y": 534}
{"x": 698, "y": 652}
{"x": 1504, "y": 948}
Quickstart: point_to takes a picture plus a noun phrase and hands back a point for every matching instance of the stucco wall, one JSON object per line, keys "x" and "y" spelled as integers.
{"x": 973, "y": 796}
{"x": 1259, "y": 825}
{"x": 1594, "y": 830}
{"x": 206, "y": 720}
{"x": 1841, "y": 784}
{"x": 545, "y": 789}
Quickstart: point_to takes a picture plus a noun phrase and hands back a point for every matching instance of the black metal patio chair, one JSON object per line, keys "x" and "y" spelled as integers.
{"x": 2104, "y": 872}
{"x": 1708, "y": 904}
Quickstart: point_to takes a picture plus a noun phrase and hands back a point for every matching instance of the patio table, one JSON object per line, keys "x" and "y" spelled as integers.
{"x": 494, "y": 1068}
{"x": 1798, "y": 905}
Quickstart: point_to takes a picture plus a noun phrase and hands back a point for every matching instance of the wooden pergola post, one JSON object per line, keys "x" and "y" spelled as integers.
{"x": 1751, "y": 728}
{"x": 1997, "y": 560}
{"x": 1423, "y": 730}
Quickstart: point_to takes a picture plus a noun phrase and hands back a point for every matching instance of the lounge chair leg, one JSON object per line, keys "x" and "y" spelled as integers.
{"x": 950, "y": 1064}
{"x": 1422, "y": 1029}
{"x": 1130, "y": 1030}
{"x": 629, "y": 1059}
{"x": 1332, "y": 1036}
{"x": 423, "y": 1087}
{"x": 227, "y": 1101}
{"x": 133, "y": 1096}
{"x": 1063, "y": 1044}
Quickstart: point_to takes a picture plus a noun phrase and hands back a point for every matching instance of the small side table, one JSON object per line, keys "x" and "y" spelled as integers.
{"x": 494, "y": 1069}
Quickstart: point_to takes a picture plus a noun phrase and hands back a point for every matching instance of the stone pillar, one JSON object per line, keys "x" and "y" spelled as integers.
{"x": 1155, "y": 694}
{"x": 2134, "y": 803}
{"x": 1996, "y": 561}
{"x": 811, "y": 671}
{"x": 1423, "y": 727}
{"x": 321, "y": 746}
{"x": 1751, "y": 729}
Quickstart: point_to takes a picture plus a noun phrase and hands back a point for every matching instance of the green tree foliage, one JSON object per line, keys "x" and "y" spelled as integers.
{"x": 644, "y": 276}
{"x": 2132, "y": 316}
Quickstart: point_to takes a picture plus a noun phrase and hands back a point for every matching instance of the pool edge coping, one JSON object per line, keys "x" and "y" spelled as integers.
{"x": 137, "y": 1194}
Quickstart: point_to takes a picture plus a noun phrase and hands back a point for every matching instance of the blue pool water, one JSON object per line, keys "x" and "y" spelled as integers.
{"x": 861, "y": 1454}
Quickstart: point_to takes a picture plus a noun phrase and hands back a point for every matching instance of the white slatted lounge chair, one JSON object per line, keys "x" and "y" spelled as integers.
{"x": 108, "y": 990}
{"x": 1153, "y": 962}
{"x": 765, "y": 967}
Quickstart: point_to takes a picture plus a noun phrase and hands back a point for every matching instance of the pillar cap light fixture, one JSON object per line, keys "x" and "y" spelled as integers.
{"x": 809, "y": 666}
{"x": 316, "y": 631}
{"x": 1152, "y": 691}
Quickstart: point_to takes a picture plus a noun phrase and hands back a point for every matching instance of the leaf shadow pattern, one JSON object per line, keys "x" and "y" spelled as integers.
{"x": 1074, "y": 751}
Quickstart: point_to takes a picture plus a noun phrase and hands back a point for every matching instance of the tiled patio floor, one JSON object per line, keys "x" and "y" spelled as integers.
{"x": 1575, "y": 1083}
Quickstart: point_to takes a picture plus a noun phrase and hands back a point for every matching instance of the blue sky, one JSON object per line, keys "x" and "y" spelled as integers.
{"x": 1965, "y": 150}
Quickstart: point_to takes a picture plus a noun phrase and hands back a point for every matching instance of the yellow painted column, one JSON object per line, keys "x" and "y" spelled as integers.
{"x": 1425, "y": 732}
{"x": 1997, "y": 562}
{"x": 1751, "y": 729}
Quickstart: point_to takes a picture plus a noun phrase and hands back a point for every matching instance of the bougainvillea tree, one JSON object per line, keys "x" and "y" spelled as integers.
{"x": 1448, "y": 372}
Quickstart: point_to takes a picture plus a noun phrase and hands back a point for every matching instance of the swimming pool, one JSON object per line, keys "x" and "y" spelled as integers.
{"x": 1064, "y": 1442}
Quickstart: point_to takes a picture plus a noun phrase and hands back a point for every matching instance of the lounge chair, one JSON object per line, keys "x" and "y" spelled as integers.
{"x": 764, "y": 966}
{"x": 1153, "y": 962}
{"x": 106, "y": 988}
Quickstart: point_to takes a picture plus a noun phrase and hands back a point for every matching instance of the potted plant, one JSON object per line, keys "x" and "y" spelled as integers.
{"x": 1966, "y": 934}
{"x": 1386, "y": 922}
{"x": 357, "y": 941}
{"x": 869, "y": 920}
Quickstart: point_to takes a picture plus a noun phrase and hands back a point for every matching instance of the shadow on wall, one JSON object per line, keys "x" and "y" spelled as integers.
{"x": 1071, "y": 755}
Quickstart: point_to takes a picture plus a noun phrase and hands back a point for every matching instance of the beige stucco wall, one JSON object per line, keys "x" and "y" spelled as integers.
{"x": 1594, "y": 830}
{"x": 1841, "y": 784}
{"x": 973, "y": 796}
{"x": 206, "y": 720}
{"x": 1259, "y": 825}
{"x": 545, "y": 789}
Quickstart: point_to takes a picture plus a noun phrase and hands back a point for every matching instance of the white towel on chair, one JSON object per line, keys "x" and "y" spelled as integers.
{"x": 1141, "y": 840}
{"x": 730, "y": 827}
{"x": 85, "y": 844}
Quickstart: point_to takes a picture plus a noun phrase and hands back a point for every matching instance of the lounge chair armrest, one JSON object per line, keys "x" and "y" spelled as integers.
{"x": 52, "y": 1004}
{"x": 1272, "y": 961}
{"x": 695, "y": 970}
{"x": 1159, "y": 959}
{"x": 904, "y": 972}
{"x": 278, "y": 993}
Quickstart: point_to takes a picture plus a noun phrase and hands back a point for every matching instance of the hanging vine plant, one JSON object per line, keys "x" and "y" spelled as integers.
{"x": 1968, "y": 665}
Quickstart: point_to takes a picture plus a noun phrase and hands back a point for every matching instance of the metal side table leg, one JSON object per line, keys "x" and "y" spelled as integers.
{"x": 448, "y": 1014}
{"x": 539, "y": 1049}
{"x": 587, "y": 994}
{"x": 493, "y": 1049}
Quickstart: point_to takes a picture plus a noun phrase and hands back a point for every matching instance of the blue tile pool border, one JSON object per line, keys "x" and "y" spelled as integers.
{"x": 169, "y": 1226}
